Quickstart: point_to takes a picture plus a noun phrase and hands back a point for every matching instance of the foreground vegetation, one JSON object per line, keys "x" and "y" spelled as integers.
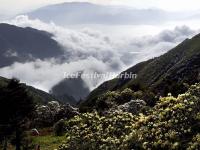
{"x": 173, "y": 123}
{"x": 48, "y": 142}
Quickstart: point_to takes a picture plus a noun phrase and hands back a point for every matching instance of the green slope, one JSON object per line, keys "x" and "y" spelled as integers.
{"x": 38, "y": 95}
{"x": 169, "y": 73}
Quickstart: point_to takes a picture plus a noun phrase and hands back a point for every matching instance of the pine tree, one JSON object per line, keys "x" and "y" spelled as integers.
{"x": 16, "y": 106}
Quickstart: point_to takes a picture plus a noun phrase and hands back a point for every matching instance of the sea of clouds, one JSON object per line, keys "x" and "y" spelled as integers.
{"x": 90, "y": 51}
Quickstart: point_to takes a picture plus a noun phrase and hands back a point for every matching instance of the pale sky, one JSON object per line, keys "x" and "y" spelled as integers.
{"x": 10, "y": 6}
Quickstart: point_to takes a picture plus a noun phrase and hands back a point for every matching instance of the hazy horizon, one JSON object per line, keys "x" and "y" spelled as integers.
{"x": 19, "y": 6}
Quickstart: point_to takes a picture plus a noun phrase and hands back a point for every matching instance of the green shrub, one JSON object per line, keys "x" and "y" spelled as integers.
{"x": 173, "y": 123}
{"x": 59, "y": 128}
{"x": 107, "y": 100}
{"x": 125, "y": 96}
{"x": 91, "y": 131}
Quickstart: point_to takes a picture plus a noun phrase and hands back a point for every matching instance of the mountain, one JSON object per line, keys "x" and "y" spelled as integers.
{"x": 169, "y": 73}
{"x": 74, "y": 89}
{"x": 88, "y": 13}
{"x": 24, "y": 44}
{"x": 39, "y": 96}
{"x": 27, "y": 44}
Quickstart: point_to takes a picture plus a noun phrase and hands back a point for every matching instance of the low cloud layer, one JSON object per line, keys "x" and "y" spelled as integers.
{"x": 90, "y": 51}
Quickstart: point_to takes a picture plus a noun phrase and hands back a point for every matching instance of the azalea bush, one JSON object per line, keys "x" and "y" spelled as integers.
{"x": 114, "y": 98}
{"x": 89, "y": 131}
{"x": 173, "y": 123}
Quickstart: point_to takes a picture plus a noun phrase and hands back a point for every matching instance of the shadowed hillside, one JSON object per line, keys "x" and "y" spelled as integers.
{"x": 24, "y": 44}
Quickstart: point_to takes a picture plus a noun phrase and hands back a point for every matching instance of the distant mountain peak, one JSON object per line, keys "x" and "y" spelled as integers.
{"x": 76, "y": 12}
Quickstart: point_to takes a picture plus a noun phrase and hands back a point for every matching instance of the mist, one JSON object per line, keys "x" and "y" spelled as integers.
{"x": 90, "y": 50}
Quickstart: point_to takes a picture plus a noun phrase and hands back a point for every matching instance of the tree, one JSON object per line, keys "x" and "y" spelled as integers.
{"x": 16, "y": 107}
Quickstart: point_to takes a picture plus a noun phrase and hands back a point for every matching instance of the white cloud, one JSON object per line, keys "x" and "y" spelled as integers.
{"x": 45, "y": 74}
{"x": 10, "y": 53}
{"x": 89, "y": 50}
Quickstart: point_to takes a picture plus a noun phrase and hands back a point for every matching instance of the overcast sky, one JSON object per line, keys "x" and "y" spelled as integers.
{"x": 10, "y": 6}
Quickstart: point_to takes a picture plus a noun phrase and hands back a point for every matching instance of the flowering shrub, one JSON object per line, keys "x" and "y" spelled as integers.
{"x": 173, "y": 123}
{"x": 114, "y": 98}
{"x": 89, "y": 131}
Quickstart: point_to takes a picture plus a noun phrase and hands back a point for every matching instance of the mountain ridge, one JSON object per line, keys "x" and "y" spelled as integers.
{"x": 24, "y": 44}
{"x": 39, "y": 96}
{"x": 21, "y": 45}
{"x": 76, "y": 12}
{"x": 168, "y": 73}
